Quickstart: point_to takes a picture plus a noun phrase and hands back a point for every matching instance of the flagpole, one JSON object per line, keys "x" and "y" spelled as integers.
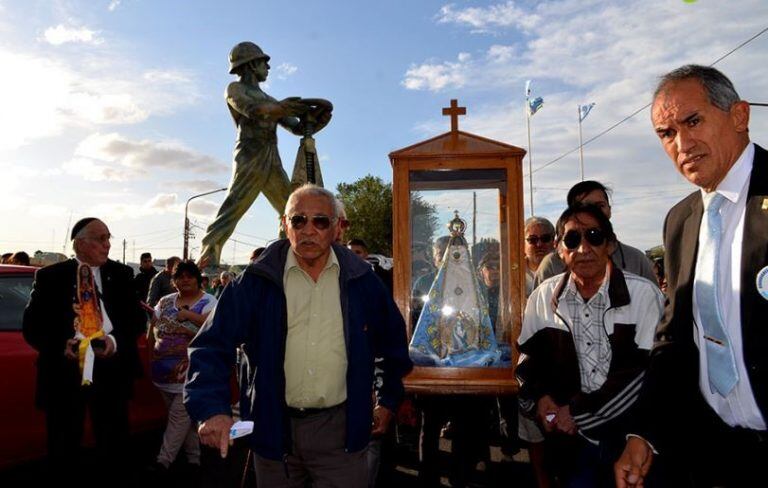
{"x": 581, "y": 146}
{"x": 530, "y": 152}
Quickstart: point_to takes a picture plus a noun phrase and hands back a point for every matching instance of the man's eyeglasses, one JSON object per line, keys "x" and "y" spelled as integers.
{"x": 320, "y": 222}
{"x": 344, "y": 223}
{"x": 534, "y": 239}
{"x": 102, "y": 239}
{"x": 594, "y": 237}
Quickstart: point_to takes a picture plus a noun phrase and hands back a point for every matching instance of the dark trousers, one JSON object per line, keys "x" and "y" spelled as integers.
{"x": 318, "y": 456}
{"x": 65, "y": 418}
{"x": 470, "y": 422}
{"x": 588, "y": 465}
{"x": 716, "y": 454}
{"x": 507, "y": 409}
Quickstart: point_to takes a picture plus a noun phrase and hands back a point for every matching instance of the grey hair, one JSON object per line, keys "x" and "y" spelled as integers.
{"x": 311, "y": 190}
{"x": 227, "y": 274}
{"x": 341, "y": 211}
{"x": 719, "y": 89}
{"x": 531, "y": 221}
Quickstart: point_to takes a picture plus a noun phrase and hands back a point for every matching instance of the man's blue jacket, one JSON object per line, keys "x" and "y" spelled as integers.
{"x": 252, "y": 313}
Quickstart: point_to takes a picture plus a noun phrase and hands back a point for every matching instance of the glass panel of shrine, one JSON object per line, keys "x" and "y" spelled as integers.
{"x": 459, "y": 300}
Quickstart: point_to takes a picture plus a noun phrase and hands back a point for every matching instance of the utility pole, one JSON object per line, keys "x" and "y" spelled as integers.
{"x": 530, "y": 154}
{"x": 186, "y": 219}
{"x": 66, "y": 235}
{"x": 581, "y": 146}
{"x": 124, "y": 243}
{"x": 474, "y": 219}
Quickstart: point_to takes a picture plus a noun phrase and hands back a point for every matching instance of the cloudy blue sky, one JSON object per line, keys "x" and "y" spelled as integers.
{"x": 114, "y": 108}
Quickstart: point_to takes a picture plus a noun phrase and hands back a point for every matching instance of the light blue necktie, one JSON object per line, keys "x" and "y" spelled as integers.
{"x": 721, "y": 363}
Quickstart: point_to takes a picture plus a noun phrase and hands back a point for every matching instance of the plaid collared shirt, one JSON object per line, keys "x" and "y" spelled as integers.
{"x": 589, "y": 336}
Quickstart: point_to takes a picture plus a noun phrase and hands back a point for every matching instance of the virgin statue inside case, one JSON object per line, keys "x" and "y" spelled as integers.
{"x": 454, "y": 327}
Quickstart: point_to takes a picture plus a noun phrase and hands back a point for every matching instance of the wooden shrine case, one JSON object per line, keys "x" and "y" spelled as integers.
{"x": 458, "y": 176}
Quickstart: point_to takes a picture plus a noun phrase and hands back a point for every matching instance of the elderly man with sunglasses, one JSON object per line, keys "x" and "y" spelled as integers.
{"x": 310, "y": 316}
{"x": 585, "y": 343}
{"x": 626, "y": 257}
{"x": 539, "y": 241}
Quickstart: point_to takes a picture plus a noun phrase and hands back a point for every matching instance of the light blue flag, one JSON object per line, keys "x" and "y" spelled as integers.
{"x": 584, "y": 111}
{"x": 534, "y": 105}
{"x": 527, "y": 88}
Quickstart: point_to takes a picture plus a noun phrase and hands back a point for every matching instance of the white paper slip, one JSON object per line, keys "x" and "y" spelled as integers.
{"x": 550, "y": 417}
{"x": 240, "y": 429}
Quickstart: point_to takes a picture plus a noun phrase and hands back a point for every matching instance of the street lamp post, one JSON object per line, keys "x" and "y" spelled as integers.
{"x": 186, "y": 219}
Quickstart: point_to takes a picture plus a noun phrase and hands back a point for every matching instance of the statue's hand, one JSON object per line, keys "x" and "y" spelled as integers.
{"x": 293, "y": 107}
{"x": 322, "y": 120}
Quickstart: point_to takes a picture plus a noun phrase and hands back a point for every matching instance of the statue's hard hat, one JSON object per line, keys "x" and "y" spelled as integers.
{"x": 243, "y": 53}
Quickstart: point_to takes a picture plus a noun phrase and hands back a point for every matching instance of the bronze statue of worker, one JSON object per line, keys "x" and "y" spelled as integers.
{"x": 257, "y": 167}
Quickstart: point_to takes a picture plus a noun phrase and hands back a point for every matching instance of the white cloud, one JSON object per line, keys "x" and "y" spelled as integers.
{"x": 483, "y": 19}
{"x": 48, "y": 210}
{"x": 500, "y": 54}
{"x": 62, "y": 34}
{"x": 159, "y": 205}
{"x": 195, "y": 186}
{"x": 284, "y": 70}
{"x": 113, "y": 5}
{"x": 590, "y": 51}
{"x": 113, "y": 157}
{"x": 16, "y": 177}
{"x": 203, "y": 208}
{"x": 437, "y": 76}
{"x": 44, "y": 96}
{"x": 162, "y": 201}
{"x": 166, "y": 76}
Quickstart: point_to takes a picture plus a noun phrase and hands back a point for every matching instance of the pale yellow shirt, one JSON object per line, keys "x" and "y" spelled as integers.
{"x": 315, "y": 351}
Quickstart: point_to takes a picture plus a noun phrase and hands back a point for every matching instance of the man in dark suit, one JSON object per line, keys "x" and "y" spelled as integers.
{"x": 62, "y": 386}
{"x": 706, "y": 391}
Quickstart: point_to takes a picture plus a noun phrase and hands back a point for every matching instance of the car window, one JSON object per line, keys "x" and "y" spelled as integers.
{"x": 14, "y": 295}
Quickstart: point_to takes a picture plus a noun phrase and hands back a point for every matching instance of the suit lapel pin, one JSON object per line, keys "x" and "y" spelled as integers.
{"x": 762, "y": 282}
{"x": 765, "y": 204}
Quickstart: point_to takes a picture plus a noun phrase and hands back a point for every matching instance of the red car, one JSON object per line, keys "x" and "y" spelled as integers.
{"x": 22, "y": 425}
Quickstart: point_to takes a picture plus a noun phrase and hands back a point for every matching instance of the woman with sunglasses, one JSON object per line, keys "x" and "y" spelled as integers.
{"x": 586, "y": 338}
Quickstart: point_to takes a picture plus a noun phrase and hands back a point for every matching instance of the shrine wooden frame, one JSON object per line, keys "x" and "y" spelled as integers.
{"x": 459, "y": 150}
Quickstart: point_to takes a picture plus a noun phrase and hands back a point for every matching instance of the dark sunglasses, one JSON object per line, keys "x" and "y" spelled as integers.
{"x": 594, "y": 237}
{"x": 544, "y": 238}
{"x": 320, "y": 222}
{"x": 344, "y": 223}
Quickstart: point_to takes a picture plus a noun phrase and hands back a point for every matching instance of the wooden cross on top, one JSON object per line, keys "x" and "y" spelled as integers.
{"x": 454, "y": 111}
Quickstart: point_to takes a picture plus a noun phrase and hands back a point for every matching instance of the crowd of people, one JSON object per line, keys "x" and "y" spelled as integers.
{"x": 19, "y": 258}
{"x": 632, "y": 373}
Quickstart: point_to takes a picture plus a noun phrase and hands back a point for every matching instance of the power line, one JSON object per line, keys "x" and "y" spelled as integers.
{"x": 161, "y": 241}
{"x": 253, "y": 236}
{"x": 242, "y": 242}
{"x": 739, "y": 46}
{"x": 609, "y": 129}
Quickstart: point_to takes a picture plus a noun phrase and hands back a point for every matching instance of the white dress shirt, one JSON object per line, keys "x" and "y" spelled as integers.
{"x": 739, "y": 407}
